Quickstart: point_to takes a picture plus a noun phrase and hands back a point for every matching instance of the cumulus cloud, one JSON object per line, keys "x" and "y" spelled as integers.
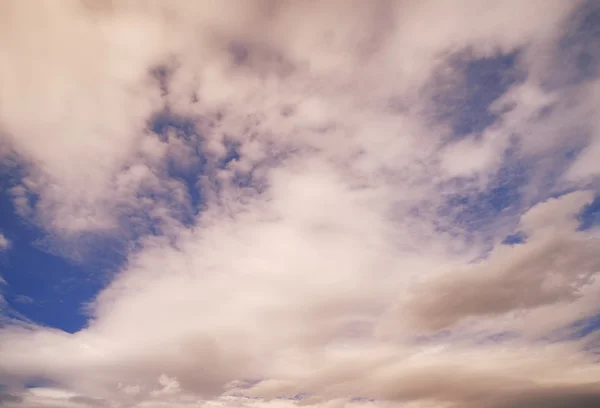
{"x": 306, "y": 226}
{"x": 557, "y": 264}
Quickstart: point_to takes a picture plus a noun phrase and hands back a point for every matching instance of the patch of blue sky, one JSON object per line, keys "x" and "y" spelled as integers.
{"x": 185, "y": 129}
{"x": 583, "y": 328}
{"x": 589, "y": 216}
{"x": 520, "y": 183}
{"x": 475, "y": 211}
{"x": 577, "y": 56}
{"x": 47, "y": 288}
{"x": 587, "y": 326}
{"x": 231, "y": 155}
{"x": 164, "y": 123}
{"x": 515, "y": 239}
{"x": 203, "y": 165}
{"x": 475, "y": 84}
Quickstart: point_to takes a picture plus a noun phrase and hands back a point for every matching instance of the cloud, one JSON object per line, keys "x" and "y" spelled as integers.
{"x": 4, "y": 242}
{"x": 88, "y": 401}
{"x": 555, "y": 265}
{"x": 78, "y": 141}
{"x": 552, "y": 397}
{"x": 7, "y": 398}
{"x": 23, "y": 299}
{"x": 303, "y": 224}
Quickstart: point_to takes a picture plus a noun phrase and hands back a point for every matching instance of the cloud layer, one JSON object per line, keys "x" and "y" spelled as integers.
{"x": 315, "y": 197}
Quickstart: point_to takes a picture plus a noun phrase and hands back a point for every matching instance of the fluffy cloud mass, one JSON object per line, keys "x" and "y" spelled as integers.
{"x": 315, "y": 199}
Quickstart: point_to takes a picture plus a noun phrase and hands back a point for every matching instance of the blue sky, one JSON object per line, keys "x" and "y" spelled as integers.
{"x": 42, "y": 286}
{"x": 300, "y": 204}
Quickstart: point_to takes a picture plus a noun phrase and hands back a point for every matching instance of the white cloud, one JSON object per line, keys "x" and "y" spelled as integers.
{"x": 329, "y": 253}
{"x": 4, "y": 242}
{"x": 68, "y": 74}
{"x": 557, "y": 265}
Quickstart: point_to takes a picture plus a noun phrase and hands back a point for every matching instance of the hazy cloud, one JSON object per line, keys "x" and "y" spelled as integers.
{"x": 4, "y": 242}
{"x": 314, "y": 197}
{"x": 554, "y": 266}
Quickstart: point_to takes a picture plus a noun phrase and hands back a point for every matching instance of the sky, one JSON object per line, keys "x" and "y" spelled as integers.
{"x": 286, "y": 204}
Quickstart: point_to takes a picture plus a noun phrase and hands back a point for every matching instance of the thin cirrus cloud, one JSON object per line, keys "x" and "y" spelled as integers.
{"x": 4, "y": 242}
{"x": 313, "y": 202}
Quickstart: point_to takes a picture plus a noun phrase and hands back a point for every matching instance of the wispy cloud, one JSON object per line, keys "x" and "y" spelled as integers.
{"x": 4, "y": 242}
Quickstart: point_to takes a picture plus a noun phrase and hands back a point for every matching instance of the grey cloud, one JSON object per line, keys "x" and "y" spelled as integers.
{"x": 458, "y": 384}
{"x": 88, "y": 401}
{"x": 6, "y": 397}
{"x": 446, "y": 383}
{"x": 527, "y": 276}
{"x": 552, "y": 267}
{"x": 548, "y": 397}
{"x": 464, "y": 386}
